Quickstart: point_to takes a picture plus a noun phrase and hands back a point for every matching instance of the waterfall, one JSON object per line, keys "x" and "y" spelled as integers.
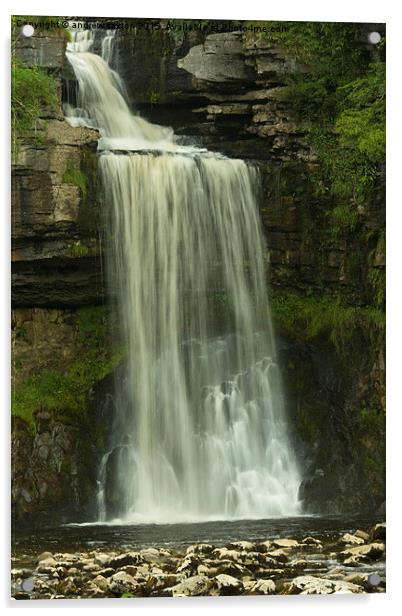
{"x": 201, "y": 429}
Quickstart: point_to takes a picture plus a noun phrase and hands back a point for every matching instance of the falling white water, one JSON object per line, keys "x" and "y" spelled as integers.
{"x": 201, "y": 429}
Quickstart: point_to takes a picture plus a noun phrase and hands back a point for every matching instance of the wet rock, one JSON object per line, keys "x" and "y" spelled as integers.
{"x": 131, "y": 558}
{"x": 228, "y": 585}
{"x": 44, "y": 556}
{"x": 158, "y": 582}
{"x": 101, "y": 559}
{"x": 68, "y": 587}
{"x": 101, "y": 582}
{"x": 298, "y": 563}
{"x": 285, "y": 543}
{"x": 92, "y": 590}
{"x": 311, "y": 541}
{"x": 229, "y": 568}
{"x": 278, "y": 555}
{"x": 20, "y": 573}
{"x": 204, "y": 570}
{"x": 263, "y": 587}
{"x": 91, "y": 568}
{"x": 241, "y": 546}
{"x": 21, "y": 595}
{"x": 264, "y": 546}
{"x": 121, "y": 582}
{"x": 191, "y": 587}
{"x": 362, "y": 535}
{"x": 379, "y": 531}
{"x": 371, "y": 551}
{"x": 200, "y": 548}
{"x": 48, "y": 566}
{"x": 108, "y": 572}
{"x": 348, "y": 539}
{"x": 130, "y": 569}
{"x": 189, "y": 565}
{"x": 310, "y": 585}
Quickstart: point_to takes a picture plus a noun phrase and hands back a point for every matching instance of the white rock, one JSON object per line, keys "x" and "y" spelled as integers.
{"x": 311, "y": 541}
{"x": 242, "y": 546}
{"x": 263, "y": 587}
{"x": 310, "y": 585}
{"x": 191, "y": 587}
{"x": 348, "y": 539}
{"x": 101, "y": 559}
{"x": 285, "y": 543}
{"x": 47, "y": 565}
{"x": 228, "y": 585}
{"x": 122, "y": 582}
{"x": 373, "y": 551}
{"x": 101, "y": 582}
{"x": 362, "y": 535}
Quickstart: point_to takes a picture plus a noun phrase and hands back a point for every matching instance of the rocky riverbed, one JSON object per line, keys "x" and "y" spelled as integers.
{"x": 345, "y": 563}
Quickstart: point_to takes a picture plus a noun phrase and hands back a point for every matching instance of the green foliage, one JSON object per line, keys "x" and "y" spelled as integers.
{"x": 65, "y": 392}
{"x": 32, "y": 89}
{"x": 361, "y": 124}
{"x": 340, "y": 97}
{"x": 345, "y": 217}
{"x": 308, "y": 318}
{"x": 75, "y": 176}
{"x": 78, "y": 249}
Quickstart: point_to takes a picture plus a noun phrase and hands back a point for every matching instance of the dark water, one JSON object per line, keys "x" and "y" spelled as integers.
{"x": 72, "y": 538}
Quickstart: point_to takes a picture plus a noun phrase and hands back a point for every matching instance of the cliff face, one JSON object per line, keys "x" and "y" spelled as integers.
{"x": 226, "y": 91}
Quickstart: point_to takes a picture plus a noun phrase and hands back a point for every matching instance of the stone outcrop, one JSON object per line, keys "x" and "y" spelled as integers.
{"x": 55, "y": 218}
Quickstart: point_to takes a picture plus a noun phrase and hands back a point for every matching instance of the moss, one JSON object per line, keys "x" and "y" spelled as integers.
{"x": 75, "y": 176}
{"x": 78, "y": 249}
{"x": 32, "y": 89}
{"x": 308, "y": 318}
{"x": 344, "y": 217}
{"x": 65, "y": 392}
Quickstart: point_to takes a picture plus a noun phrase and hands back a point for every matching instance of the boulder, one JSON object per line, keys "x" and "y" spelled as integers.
{"x": 200, "y": 548}
{"x": 285, "y": 543}
{"x": 371, "y": 551}
{"x": 362, "y": 535}
{"x": 228, "y": 585}
{"x": 67, "y": 587}
{"x": 101, "y": 582}
{"x": 241, "y": 546}
{"x": 189, "y": 565}
{"x": 379, "y": 531}
{"x": 131, "y": 558}
{"x": 121, "y": 582}
{"x": 158, "y": 582}
{"x": 101, "y": 559}
{"x": 44, "y": 556}
{"x": 311, "y": 541}
{"x": 310, "y": 585}
{"x": 193, "y": 586}
{"x": 48, "y": 566}
{"x": 152, "y": 555}
{"x": 348, "y": 539}
{"x": 278, "y": 555}
{"x": 263, "y": 587}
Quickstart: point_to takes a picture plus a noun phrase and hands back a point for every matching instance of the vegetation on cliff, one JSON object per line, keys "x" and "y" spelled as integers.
{"x": 340, "y": 97}
{"x": 64, "y": 390}
{"x": 32, "y": 90}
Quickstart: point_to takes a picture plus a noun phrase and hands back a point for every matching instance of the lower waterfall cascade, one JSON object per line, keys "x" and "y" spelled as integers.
{"x": 201, "y": 430}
